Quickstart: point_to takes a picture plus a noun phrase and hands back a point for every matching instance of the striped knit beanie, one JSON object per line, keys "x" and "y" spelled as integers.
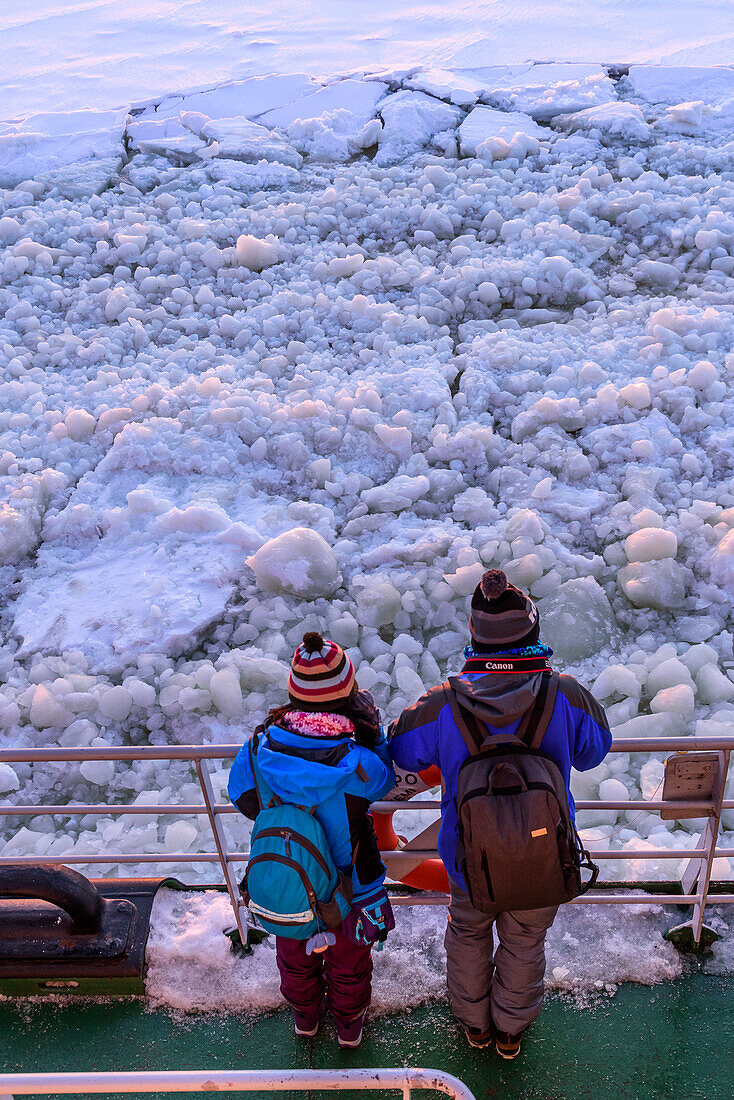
{"x": 501, "y": 614}
{"x": 322, "y": 675}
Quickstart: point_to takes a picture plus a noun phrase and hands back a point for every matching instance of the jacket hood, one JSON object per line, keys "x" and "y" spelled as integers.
{"x": 302, "y": 781}
{"x": 497, "y": 700}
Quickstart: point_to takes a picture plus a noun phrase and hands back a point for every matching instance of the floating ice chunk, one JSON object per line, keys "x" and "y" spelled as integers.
{"x": 612, "y": 790}
{"x": 47, "y": 710}
{"x": 465, "y": 579}
{"x": 524, "y": 571}
{"x": 142, "y": 694}
{"x": 460, "y": 88}
{"x": 194, "y": 519}
{"x": 617, "y": 680}
{"x": 167, "y": 138}
{"x": 636, "y": 395}
{"x": 656, "y": 273}
{"x": 81, "y": 179}
{"x": 651, "y": 544}
{"x": 485, "y": 124}
{"x": 698, "y": 656}
{"x": 80, "y": 732}
{"x": 299, "y": 561}
{"x": 619, "y": 121}
{"x": 115, "y": 703}
{"x": 335, "y": 121}
{"x": 668, "y": 674}
{"x": 675, "y": 700}
{"x": 106, "y": 608}
{"x": 722, "y": 562}
{"x": 256, "y": 254}
{"x": 546, "y": 90}
{"x": 704, "y": 373}
{"x": 79, "y": 424}
{"x": 241, "y": 139}
{"x": 681, "y": 118}
{"x": 261, "y": 673}
{"x": 99, "y": 772}
{"x": 378, "y": 602}
{"x": 18, "y": 531}
{"x": 698, "y": 628}
{"x": 358, "y": 97}
{"x": 663, "y": 724}
{"x": 251, "y": 97}
{"x": 396, "y": 439}
{"x": 179, "y": 836}
{"x": 397, "y": 494}
{"x": 652, "y": 774}
{"x": 55, "y": 139}
{"x": 524, "y": 523}
{"x": 409, "y": 682}
{"x": 713, "y": 686}
{"x": 8, "y": 779}
{"x": 656, "y": 584}
{"x": 577, "y": 619}
{"x": 226, "y": 693}
{"x": 410, "y": 120}
{"x": 667, "y": 83}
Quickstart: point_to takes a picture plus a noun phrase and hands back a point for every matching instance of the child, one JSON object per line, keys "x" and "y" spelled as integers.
{"x": 325, "y": 749}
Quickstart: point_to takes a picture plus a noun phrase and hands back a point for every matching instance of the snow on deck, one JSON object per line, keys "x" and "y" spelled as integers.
{"x": 590, "y": 951}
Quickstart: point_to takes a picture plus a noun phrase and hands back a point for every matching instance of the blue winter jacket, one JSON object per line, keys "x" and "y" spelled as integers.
{"x": 578, "y": 736}
{"x": 334, "y": 775}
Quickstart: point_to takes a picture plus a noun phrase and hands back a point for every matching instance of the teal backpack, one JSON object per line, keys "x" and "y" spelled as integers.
{"x": 292, "y": 884}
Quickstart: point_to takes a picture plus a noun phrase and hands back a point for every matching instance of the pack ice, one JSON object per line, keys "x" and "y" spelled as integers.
{"x": 287, "y": 354}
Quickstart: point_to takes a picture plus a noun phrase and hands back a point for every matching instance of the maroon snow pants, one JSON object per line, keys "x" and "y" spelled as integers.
{"x": 342, "y": 973}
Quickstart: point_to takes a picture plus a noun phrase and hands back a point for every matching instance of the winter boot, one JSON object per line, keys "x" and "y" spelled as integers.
{"x": 350, "y": 1035}
{"x": 306, "y": 1025}
{"x": 507, "y": 1045}
{"x": 478, "y": 1039}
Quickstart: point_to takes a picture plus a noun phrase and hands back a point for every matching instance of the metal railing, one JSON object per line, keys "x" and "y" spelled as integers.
{"x": 695, "y": 879}
{"x": 244, "y": 1080}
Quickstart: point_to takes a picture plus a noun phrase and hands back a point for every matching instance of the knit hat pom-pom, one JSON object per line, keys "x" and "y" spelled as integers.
{"x": 313, "y": 642}
{"x": 493, "y": 584}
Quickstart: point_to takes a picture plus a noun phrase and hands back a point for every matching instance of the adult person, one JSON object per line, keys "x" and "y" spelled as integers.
{"x": 496, "y": 999}
{"x": 325, "y": 750}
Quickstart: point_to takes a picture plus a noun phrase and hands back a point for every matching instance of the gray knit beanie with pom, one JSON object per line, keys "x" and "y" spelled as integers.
{"x": 501, "y": 614}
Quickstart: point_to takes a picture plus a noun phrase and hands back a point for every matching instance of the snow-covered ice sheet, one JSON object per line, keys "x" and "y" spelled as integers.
{"x": 590, "y": 951}
{"x": 80, "y": 54}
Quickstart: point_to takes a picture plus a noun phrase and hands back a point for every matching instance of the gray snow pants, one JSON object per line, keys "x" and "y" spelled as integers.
{"x": 509, "y": 987}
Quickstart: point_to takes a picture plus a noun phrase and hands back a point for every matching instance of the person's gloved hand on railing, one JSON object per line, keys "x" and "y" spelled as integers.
{"x": 370, "y": 920}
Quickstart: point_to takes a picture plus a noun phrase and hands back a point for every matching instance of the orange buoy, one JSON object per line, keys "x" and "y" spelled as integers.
{"x": 425, "y": 874}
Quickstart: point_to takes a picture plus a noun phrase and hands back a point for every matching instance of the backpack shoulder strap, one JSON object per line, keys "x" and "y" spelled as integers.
{"x": 466, "y": 723}
{"x": 265, "y": 794}
{"x": 533, "y": 724}
{"x": 536, "y": 720}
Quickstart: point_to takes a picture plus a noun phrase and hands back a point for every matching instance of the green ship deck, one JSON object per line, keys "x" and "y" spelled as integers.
{"x": 665, "y": 1042}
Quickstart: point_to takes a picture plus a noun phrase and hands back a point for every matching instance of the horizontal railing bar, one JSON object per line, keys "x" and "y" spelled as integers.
{"x": 71, "y": 809}
{"x": 389, "y": 806}
{"x": 587, "y": 899}
{"x": 163, "y": 857}
{"x": 122, "y": 752}
{"x": 228, "y": 752}
{"x": 45, "y": 1084}
{"x": 236, "y": 857}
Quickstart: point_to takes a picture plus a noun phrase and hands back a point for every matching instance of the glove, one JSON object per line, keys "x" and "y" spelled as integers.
{"x": 370, "y": 920}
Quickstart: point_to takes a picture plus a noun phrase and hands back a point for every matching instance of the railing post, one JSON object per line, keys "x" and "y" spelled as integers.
{"x": 704, "y": 876}
{"x": 220, "y": 839}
